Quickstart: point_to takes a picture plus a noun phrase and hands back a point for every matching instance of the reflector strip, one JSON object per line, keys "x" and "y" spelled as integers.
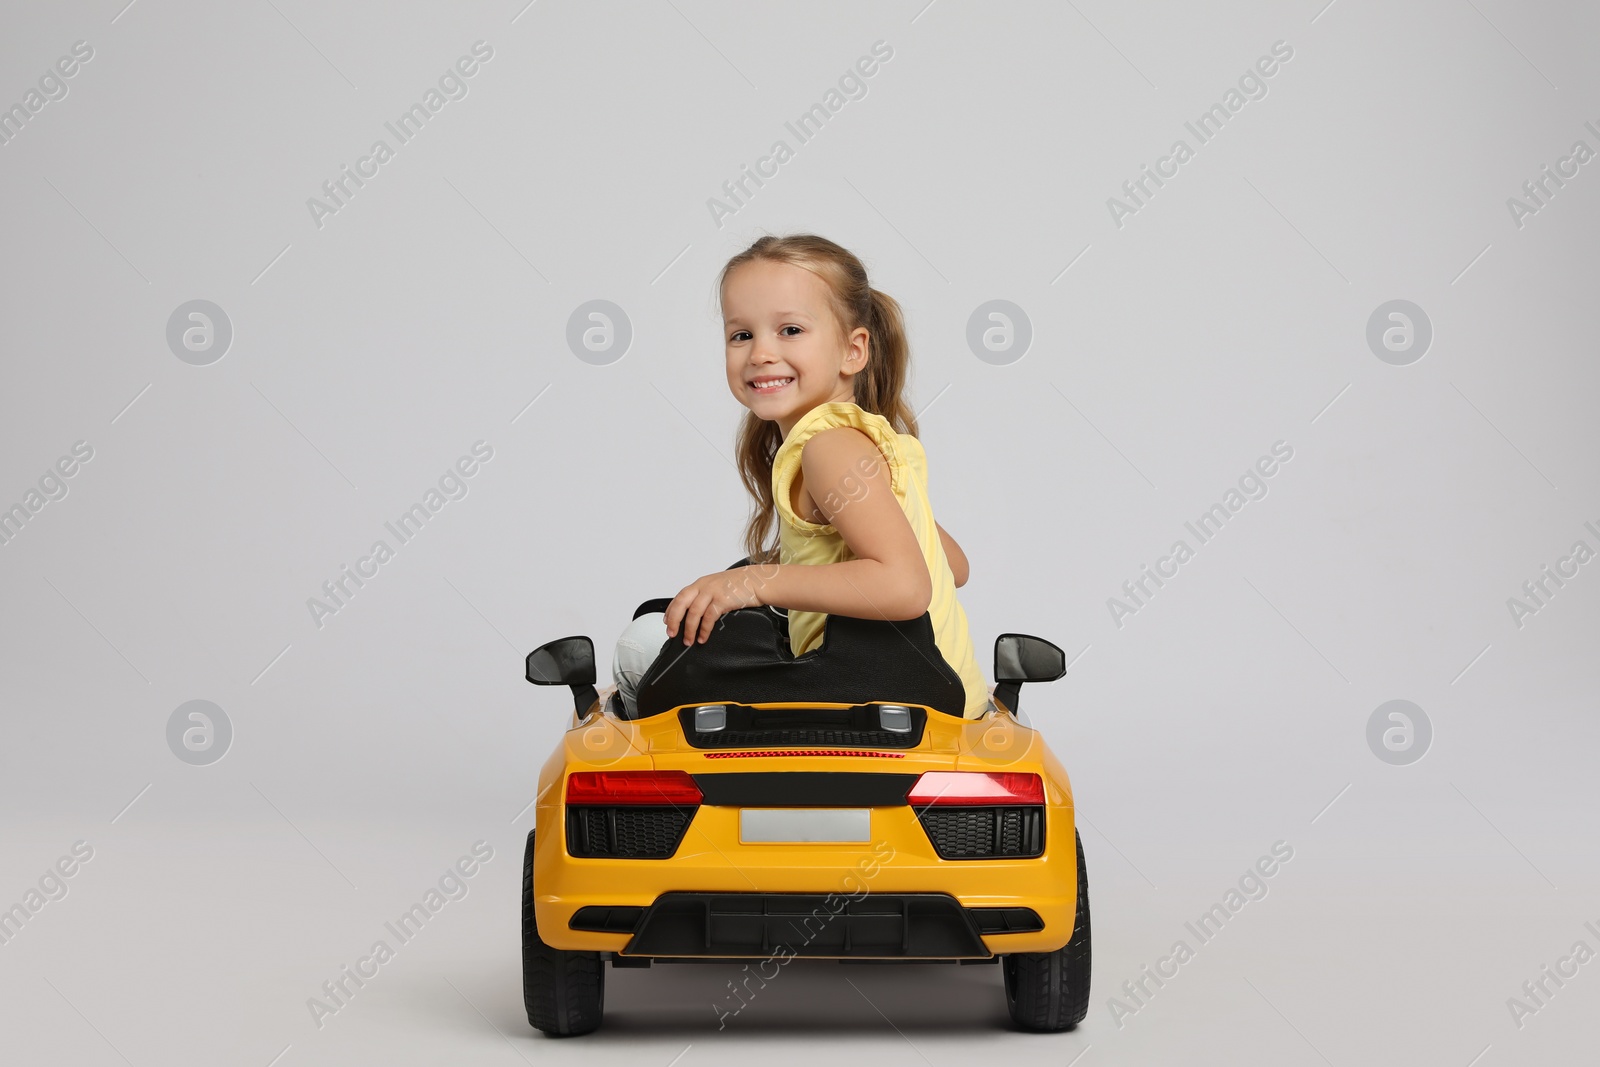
{"x": 804, "y": 752}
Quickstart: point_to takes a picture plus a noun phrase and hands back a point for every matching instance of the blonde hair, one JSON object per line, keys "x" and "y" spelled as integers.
{"x": 878, "y": 388}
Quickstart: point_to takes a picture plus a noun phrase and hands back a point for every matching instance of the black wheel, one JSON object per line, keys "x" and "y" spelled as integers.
{"x": 1049, "y": 991}
{"x": 564, "y": 992}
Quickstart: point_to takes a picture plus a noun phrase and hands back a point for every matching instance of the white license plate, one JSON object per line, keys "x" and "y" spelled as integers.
{"x": 804, "y": 824}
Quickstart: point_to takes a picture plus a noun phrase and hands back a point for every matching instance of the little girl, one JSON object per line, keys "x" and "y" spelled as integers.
{"x": 819, "y": 358}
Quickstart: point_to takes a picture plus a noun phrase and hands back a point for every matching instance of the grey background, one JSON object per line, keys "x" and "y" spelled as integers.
{"x": 1231, "y": 712}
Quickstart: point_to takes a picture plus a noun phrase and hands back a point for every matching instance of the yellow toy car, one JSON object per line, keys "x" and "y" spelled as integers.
{"x": 762, "y": 807}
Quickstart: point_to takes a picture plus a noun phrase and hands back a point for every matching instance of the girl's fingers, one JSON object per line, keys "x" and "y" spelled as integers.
{"x": 676, "y": 611}
{"x": 696, "y": 614}
{"x": 705, "y": 615}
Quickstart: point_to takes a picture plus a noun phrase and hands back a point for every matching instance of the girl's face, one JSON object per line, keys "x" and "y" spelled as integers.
{"x": 777, "y": 324}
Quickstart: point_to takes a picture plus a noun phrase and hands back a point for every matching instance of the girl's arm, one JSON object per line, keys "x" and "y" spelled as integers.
{"x": 957, "y": 558}
{"x": 888, "y": 579}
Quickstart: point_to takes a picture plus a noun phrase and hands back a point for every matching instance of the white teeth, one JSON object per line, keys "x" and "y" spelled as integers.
{"x": 767, "y": 387}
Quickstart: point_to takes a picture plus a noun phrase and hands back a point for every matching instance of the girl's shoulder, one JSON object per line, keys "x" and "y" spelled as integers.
{"x": 832, "y": 413}
{"x": 896, "y": 447}
{"x": 901, "y": 452}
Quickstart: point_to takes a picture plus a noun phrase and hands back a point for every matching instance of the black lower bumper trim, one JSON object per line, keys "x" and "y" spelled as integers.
{"x": 879, "y": 925}
{"x": 1007, "y": 920}
{"x": 607, "y": 918}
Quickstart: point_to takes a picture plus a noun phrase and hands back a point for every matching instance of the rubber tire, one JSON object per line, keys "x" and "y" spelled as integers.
{"x": 1048, "y": 992}
{"x": 563, "y": 992}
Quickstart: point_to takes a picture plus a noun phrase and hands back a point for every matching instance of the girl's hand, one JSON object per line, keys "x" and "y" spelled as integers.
{"x": 705, "y": 600}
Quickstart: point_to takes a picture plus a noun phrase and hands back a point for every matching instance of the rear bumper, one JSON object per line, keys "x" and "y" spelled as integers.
{"x": 907, "y": 926}
{"x": 892, "y": 898}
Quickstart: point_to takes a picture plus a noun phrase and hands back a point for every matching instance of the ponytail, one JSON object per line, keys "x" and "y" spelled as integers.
{"x": 880, "y": 387}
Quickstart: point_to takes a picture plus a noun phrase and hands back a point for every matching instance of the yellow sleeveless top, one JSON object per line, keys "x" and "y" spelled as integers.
{"x": 804, "y": 542}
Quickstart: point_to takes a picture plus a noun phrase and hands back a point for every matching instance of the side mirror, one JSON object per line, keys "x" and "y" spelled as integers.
{"x": 1022, "y": 658}
{"x": 566, "y": 661}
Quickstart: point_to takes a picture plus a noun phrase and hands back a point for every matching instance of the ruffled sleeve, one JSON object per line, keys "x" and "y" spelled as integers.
{"x": 786, "y": 463}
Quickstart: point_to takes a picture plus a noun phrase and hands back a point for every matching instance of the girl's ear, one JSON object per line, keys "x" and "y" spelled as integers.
{"x": 859, "y": 356}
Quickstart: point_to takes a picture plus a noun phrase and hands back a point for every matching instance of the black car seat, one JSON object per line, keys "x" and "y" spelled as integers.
{"x": 747, "y": 660}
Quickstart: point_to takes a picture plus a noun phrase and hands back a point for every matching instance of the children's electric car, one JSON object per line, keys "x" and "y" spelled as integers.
{"x": 763, "y": 807}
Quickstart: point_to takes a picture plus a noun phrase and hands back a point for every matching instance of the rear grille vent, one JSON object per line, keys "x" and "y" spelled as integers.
{"x": 811, "y": 736}
{"x": 975, "y": 832}
{"x": 631, "y": 831}
{"x": 858, "y": 726}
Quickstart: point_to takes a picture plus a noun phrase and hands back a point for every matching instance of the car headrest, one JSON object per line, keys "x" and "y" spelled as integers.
{"x": 747, "y": 660}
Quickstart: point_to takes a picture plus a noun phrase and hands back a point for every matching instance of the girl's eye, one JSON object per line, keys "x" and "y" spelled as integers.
{"x": 741, "y": 335}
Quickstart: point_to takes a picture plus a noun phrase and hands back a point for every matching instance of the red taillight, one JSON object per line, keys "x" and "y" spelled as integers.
{"x": 976, "y": 787}
{"x": 632, "y": 787}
